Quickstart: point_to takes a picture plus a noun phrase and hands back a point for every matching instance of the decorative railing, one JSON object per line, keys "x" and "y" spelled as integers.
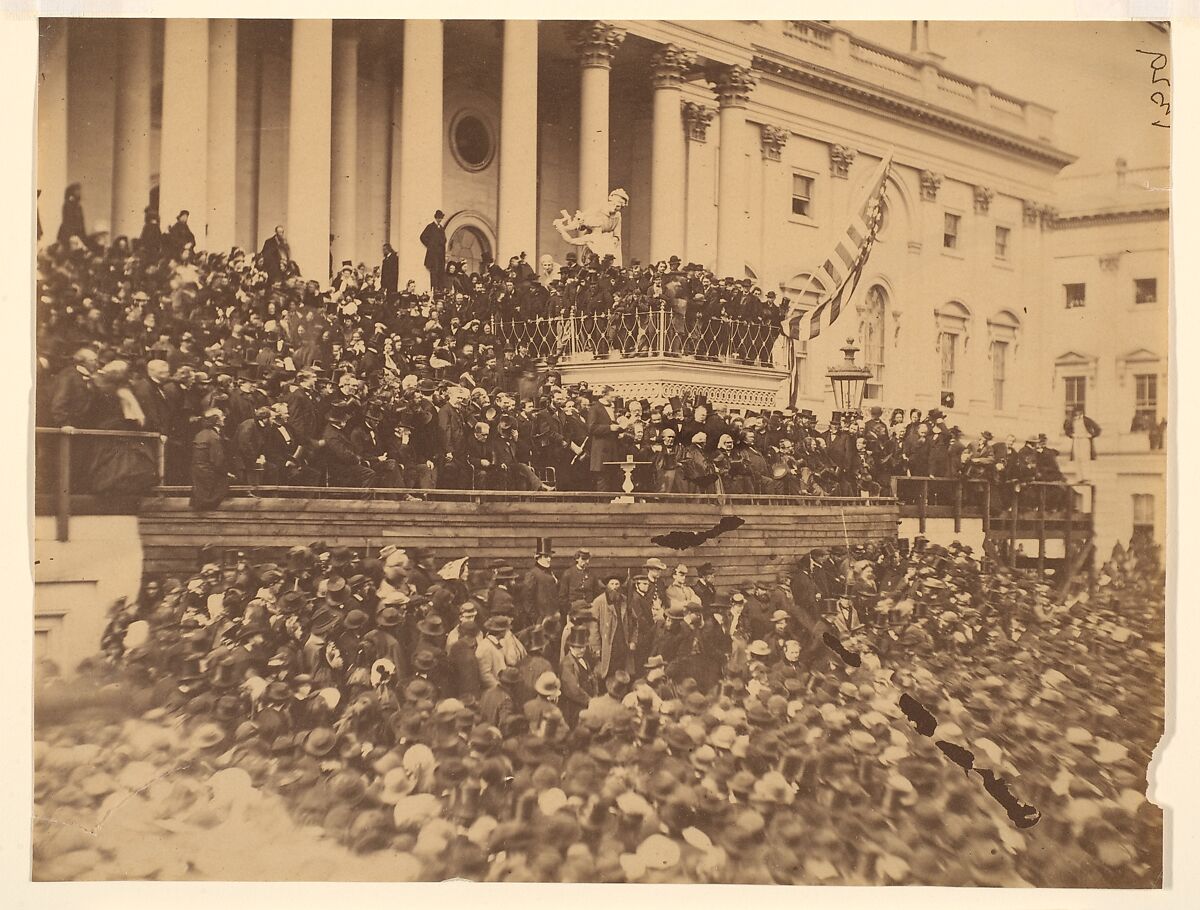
{"x": 881, "y": 58}
{"x": 810, "y": 32}
{"x": 956, "y": 86}
{"x": 1007, "y": 106}
{"x": 579, "y": 338}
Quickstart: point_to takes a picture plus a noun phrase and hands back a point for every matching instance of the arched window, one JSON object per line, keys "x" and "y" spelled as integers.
{"x": 469, "y": 245}
{"x": 871, "y": 337}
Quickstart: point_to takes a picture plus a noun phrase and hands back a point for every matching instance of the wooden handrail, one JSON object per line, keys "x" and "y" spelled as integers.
{"x": 540, "y": 496}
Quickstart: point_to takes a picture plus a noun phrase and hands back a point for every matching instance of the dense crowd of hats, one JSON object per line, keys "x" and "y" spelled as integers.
{"x": 358, "y": 386}
{"x": 780, "y": 770}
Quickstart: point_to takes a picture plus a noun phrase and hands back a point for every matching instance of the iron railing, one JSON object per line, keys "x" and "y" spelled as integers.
{"x": 580, "y": 337}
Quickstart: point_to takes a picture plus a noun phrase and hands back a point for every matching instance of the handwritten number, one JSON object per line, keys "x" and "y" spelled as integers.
{"x": 1165, "y": 126}
{"x": 1159, "y": 98}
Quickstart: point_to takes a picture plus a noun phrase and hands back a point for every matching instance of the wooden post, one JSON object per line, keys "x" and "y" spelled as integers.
{"x": 923, "y": 504}
{"x": 1012, "y": 530}
{"x": 1069, "y": 531}
{"x": 162, "y": 460}
{"x": 958, "y": 503}
{"x": 62, "y": 515}
{"x": 987, "y": 506}
{"x": 1041, "y": 529}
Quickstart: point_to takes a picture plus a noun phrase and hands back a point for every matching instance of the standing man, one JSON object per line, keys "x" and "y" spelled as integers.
{"x": 210, "y": 477}
{"x": 602, "y": 430}
{"x": 180, "y": 234}
{"x": 541, "y": 587}
{"x": 579, "y": 581}
{"x": 616, "y": 628}
{"x": 276, "y": 256}
{"x": 389, "y": 272}
{"x": 433, "y": 238}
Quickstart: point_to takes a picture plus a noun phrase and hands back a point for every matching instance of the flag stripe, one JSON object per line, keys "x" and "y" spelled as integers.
{"x": 847, "y": 257}
{"x": 831, "y": 270}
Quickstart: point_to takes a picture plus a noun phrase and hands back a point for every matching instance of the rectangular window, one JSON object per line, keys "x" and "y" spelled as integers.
{"x": 800, "y": 352}
{"x": 1143, "y": 516}
{"x": 1076, "y": 295}
{"x": 1002, "y": 242}
{"x": 948, "y": 344}
{"x": 999, "y": 367}
{"x": 802, "y": 188}
{"x": 1145, "y": 406}
{"x": 950, "y": 231}
{"x": 1145, "y": 290}
{"x": 1075, "y": 388}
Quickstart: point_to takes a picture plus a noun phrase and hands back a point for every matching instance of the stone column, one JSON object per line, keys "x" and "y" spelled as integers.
{"x": 732, "y": 85}
{"x": 518, "y": 141}
{"x": 596, "y": 43}
{"x": 344, "y": 174}
{"x": 309, "y": 147}
{"x": 421, "y": 144}
{"x": 52, "y": 126}
{"x": 668, "y": 167}
{"x": 183, "y": 156}
{"x": 131, "y": 152}
{"x": 222, "y": 134}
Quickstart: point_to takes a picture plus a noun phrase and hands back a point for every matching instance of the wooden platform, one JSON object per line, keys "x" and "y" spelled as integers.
{"x": 619, "y": 534}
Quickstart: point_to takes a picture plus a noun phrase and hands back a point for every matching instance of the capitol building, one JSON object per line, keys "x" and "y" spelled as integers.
{"x": 740, "y": 145}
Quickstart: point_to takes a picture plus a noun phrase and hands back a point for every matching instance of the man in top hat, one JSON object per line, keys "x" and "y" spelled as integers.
{"x": 578, "y": 676}
{"x": 346, "y": 464}
{"x": 433, "y": 238}
{"x": 541, "y": 586}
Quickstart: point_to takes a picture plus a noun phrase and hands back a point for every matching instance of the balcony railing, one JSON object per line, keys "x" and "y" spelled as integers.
{"x": 578, "y": 338}
{"x": 66, "y": 461}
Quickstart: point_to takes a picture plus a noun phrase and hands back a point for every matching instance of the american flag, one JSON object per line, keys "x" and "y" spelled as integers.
{"x": 842, "y": 269}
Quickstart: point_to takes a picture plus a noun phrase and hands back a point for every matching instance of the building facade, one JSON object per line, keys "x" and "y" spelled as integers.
{"x": 740, "y": 145}
{"x": 1107, "y": 313}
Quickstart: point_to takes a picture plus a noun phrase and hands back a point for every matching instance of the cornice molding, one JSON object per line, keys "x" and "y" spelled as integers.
{"x": 914, "y": 110}
{"x": 1129, "y": 217}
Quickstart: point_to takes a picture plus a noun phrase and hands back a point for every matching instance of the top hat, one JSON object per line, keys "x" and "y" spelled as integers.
{"x": 545, "y": 547}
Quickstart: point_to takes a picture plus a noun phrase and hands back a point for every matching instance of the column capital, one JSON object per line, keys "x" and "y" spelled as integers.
{"x": 596, "y": 42}
{"x": 983, "y": 199}
{"x": 733, "y": 85}
{"x": 1031, "y": 211}
{"x": 669, "y": 63}
{"x": 840, "y": 159}
{"x": 696, "y": 118}
{"x": 931, "y": 182}
{"x": 774, "y": 138}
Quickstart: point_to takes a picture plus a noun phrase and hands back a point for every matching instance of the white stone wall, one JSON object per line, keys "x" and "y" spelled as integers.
{"x": 76, "y": 581}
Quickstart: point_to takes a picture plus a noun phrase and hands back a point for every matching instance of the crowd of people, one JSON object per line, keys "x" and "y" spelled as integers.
{"x": 642, "y": 725}
{"x": 254, "y": 375}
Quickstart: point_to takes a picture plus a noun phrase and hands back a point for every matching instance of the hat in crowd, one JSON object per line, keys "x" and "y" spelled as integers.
{"x": 655, "y": 563}
{"x": 544, "y": 547}
{"x": 548, "y": 685}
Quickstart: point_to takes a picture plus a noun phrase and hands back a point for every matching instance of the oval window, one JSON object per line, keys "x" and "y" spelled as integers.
{"x": 472, "y": 142}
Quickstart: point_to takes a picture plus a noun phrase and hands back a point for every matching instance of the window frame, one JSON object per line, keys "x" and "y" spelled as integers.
{"x": 1151, "y": 407}
{"x": 873, "y": 388}
{"x": 956, "y": 248}
{"x": 952, "y": 349}
{"x": 1006, "y": 255}
{"x": 1137, "y": 292}
{"x": 1145, "y": 526}
{"x": 1069, "y": 382}
{"x": 999, "y": 366}
{"x": 803, "y": 217}
{"x": 1082, "y": 301}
